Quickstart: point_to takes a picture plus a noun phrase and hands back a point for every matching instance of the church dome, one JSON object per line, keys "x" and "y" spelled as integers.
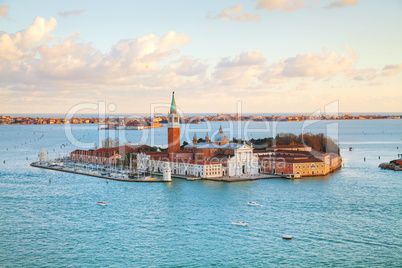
{"x": 220, "y": 137}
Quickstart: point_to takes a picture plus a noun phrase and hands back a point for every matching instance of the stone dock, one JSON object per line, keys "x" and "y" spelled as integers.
{"x": 93, "y": 175}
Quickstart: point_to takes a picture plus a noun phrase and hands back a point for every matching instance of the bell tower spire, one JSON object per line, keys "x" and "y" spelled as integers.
{"x": 173, "y": 108}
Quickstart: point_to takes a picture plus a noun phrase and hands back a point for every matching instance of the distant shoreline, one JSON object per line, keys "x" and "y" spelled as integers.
{"x": 148, "y": 122}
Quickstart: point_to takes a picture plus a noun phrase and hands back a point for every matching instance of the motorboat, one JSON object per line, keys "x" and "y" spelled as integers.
{"x": 293, "y": 176}
{"x": 101, "y": 203}
{"x": 239, "y": 223}
{"x": 253, "y": 204}
{"x": 147, "y": 178}
{"x": 287, "y": 237}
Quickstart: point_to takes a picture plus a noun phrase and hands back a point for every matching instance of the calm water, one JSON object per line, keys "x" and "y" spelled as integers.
{"x": 350, "y": 218}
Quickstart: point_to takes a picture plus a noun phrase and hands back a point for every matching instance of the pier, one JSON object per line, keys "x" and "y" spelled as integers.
{"x": 38, "y": 165}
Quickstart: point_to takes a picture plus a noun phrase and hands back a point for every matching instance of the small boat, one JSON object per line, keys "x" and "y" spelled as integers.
{"x": 293, "y": 176}
{"x": 287, "y": 237}
{"x": 147, "y": 179}
{"x": 101, "y": 203}
{"x": 253, "y": 204}
{"x": 239, "y": 223}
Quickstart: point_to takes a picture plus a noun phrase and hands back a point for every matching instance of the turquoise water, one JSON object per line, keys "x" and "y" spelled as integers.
{"x": 349, "y": 218}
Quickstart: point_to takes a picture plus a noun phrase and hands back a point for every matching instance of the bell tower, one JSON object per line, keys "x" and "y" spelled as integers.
{"x": 173, "y": 128}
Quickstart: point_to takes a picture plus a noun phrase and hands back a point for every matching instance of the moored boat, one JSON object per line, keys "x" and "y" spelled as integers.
{"x": 294, "y": 176}
{"x": 239, "y": 223}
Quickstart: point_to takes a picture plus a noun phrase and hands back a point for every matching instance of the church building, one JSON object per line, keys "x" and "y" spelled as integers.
{"x": 205, "y": 160}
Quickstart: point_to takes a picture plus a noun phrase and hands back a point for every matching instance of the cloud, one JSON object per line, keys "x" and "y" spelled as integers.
{"x": 241, "y": 70}
{"x": 236, "y": 13}
{"x": 343, "y": 3}
{"x": 361, "y": 74}
{"x": 284, "y": 5}
{"x": 244, "y": 59}
{"x": 190, "y": 67}
{"x": 16, "y": 46}
{"x": 173, "y": 39}
{"x": 303, "y": 86}
{"x": 3, "y": 11}
{"x": 373, "y": 84}
{"x": 34, "y": 56}
{"x": 390, "y": 70}
{"x": 317, "y": 65}
{"x": 72, "y": 12}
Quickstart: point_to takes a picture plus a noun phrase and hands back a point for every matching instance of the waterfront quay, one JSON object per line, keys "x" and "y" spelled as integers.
{"x": 124, "y": 174}
{"x": 91, "y": 170}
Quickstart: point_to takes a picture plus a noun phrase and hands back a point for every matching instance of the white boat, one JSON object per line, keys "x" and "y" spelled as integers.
{"x": 101, "y": 203}
{"x": 287, "y": 237}
{"x": 240, "y": 223}
{"x": 253, "y": 204}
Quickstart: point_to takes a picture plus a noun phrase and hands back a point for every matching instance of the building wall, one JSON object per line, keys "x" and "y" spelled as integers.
{"x": 289, "y": 166}
{"x": 310, "y": 168}
{"x": 212, "y": 170}
{"x": 336, "y": 162}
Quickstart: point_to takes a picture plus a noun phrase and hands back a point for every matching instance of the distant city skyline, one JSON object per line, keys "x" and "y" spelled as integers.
{"x": 275, "y": 56}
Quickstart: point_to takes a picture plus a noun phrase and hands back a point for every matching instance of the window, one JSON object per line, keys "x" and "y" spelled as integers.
{"x": 176, "y": 119}
{"x": 170, "y": 119}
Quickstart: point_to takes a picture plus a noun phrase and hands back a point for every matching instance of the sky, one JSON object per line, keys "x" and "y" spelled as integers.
{"x": 265, "y": 56}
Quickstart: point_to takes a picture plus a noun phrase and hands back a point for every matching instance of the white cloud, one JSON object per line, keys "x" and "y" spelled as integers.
{"x": 238, "y": 76}
{"x": 374, "y": 84}
{"x": 29, "y": 57}
{"x": 390, "y": 70}
{"x": 3, "y": 11}
{"x": 37, "y": 66}
{"x": 15, "y": 46}
{"x": 188, "y": 66}
{"x": 317, "y": 65}
{"x": 244, "y": 59}
{"x": 284, "y": 5}
{"x": 362, "y": 74}
{"x": 236, "y": 13}
{"x": 343, "y": 3}
{"x": 241, "y": 70}
{"x": 173, "y": 39}
{"x": 303, "y": 86}
{"x": 70, "y": 13}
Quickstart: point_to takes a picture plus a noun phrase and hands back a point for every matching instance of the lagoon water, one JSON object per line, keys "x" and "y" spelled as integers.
{"x": 351, "y": 218}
